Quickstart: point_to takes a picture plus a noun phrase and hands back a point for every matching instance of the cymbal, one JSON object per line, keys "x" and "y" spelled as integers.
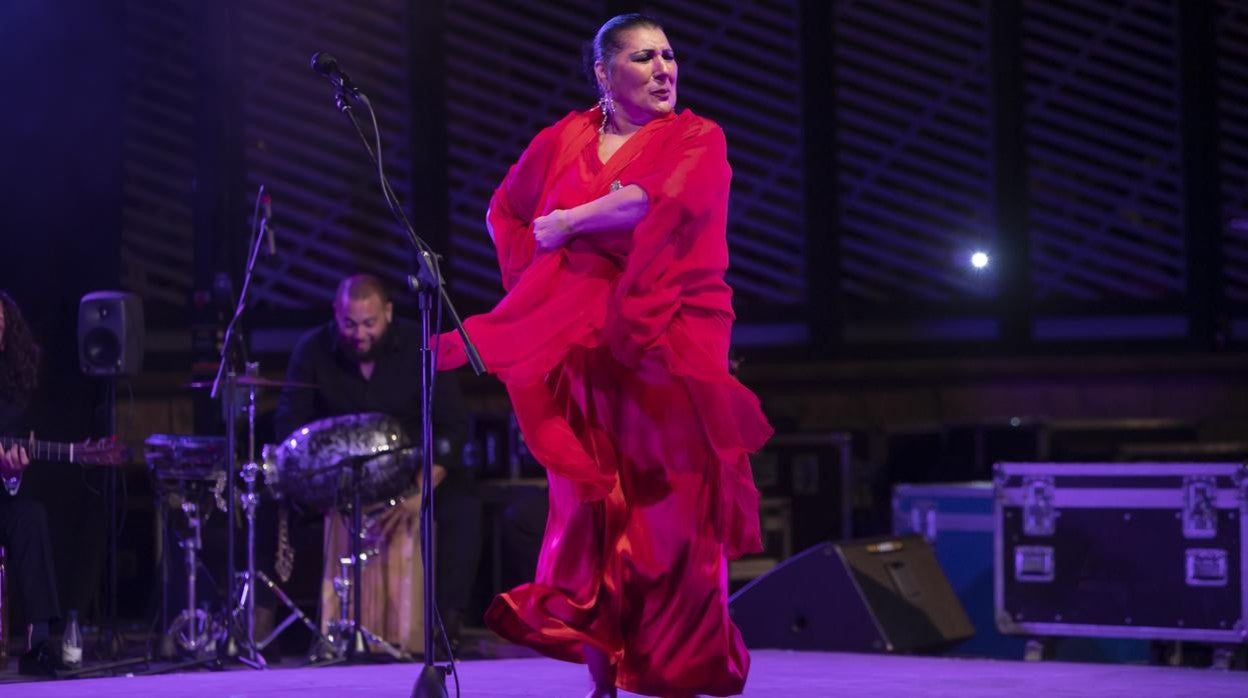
{"x": 255, "y": 382}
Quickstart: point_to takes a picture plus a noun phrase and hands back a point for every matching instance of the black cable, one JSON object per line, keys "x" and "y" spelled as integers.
{"x": 125, "y": 486}
{"x": 86, "y": 483}
{"x": 153, "y": 641}
{"x": 449, "y": 652}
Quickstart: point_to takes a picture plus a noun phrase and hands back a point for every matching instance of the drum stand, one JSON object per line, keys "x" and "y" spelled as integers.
{"x": 347, "y": 633}
{"x": 192, "y": 629}
{"x": 195, "y": 629}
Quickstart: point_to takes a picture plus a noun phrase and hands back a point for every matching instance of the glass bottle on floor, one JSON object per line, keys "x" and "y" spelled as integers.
{"x": 71, "y": 645}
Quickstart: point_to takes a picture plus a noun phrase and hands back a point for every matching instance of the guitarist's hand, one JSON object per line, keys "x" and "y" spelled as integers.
{"x": 13, "y": 461}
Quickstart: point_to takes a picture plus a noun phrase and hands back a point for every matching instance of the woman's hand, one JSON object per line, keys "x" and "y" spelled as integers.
{"x": 552, "y": 230}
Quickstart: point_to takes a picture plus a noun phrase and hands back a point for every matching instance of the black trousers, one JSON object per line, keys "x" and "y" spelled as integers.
{"x": 523, "y": 527}
{"x": 458, "y": 511}
{"x": 24, "y": 533}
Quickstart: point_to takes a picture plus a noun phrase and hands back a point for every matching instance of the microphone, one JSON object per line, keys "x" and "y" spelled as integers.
{"x": 326, "y": 66}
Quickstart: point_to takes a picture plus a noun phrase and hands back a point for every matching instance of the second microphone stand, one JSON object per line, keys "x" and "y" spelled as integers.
{"x": 227, "y": 377}
{"x": 427, "y": 282}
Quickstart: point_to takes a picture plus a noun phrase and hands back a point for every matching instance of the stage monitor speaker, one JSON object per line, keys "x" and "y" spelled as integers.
{"x": 110, "y": 333}
{"x": 883, "y": 594}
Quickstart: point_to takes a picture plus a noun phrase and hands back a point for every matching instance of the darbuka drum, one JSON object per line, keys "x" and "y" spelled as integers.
{"x": 185, "y": 457}
{"x": 313, "y": 466}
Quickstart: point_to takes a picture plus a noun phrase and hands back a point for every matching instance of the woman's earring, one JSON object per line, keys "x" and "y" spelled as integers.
{"x": 607, "y": 106}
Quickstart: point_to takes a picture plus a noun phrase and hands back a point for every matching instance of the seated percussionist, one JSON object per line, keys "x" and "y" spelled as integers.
{"x": 367, "y": 360}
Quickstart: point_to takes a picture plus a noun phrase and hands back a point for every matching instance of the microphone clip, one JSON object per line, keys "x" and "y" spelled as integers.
{"x": 327, "y": 66}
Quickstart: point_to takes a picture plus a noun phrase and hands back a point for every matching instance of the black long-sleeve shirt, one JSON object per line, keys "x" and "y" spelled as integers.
{"x": 393, "y": 388}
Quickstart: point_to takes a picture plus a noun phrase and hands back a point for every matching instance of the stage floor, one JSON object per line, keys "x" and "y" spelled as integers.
{"x": 774, "y": 673}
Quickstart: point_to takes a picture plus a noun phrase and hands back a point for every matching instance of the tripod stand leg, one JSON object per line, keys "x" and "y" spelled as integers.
{"x": 386, "y": 646}
{"x": 242, "y": 620}
{"x": 295, "y": 614}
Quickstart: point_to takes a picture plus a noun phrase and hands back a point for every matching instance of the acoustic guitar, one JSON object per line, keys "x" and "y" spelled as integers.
{"x": 106, "y": 451}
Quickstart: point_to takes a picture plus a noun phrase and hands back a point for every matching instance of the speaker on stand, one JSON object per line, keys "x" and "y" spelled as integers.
{"x": 110, "y": 345}
{"x": 110, "y": 334}
{"x": 885, "y": 594}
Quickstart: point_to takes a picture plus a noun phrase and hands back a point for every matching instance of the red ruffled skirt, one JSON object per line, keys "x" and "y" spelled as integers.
{"x": 650, "y": 486}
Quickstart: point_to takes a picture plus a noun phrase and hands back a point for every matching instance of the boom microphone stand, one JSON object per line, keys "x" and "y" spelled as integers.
{"x": 427, "y": 282}
{"x": 230, "y": 410}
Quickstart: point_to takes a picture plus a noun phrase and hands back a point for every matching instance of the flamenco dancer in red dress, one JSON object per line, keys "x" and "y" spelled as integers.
{"x": 612, "y": 342}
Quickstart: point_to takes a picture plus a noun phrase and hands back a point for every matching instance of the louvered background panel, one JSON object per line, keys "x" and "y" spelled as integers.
{"x": 327, "y": 204}
{"x": 739, "y": 65}
{"x": 1105, "y": 214}
{"x": 512, "y": 69}
{"x": 1232, "y": 86}
{"x": 914, "y": 148}
{"x": 159, "y": 153}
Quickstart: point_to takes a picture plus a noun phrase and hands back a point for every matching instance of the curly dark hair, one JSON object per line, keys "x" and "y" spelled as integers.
{"x": 19, "y": 354}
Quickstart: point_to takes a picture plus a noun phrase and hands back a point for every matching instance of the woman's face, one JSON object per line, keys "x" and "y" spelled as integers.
{"x": 641, "y": 77}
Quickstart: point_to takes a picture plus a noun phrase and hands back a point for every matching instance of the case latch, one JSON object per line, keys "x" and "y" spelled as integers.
{"x": 1039, "y": 514}
{"x": 1200, "y": 511}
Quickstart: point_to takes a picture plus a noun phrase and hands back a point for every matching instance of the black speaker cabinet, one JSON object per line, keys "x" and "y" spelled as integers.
{"x": 883, "y": 594}
{"x": 110, "y": 333}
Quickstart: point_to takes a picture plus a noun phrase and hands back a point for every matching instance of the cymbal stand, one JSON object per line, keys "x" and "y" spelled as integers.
{"x": 247, "y": 590}
{"x": 226, "y": 382}
{"x": 228, "y": 648}
{"x": 248, "y": 579}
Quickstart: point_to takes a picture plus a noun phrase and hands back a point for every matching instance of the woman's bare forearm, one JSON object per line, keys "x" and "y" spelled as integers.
{"x": 620, "y": 210}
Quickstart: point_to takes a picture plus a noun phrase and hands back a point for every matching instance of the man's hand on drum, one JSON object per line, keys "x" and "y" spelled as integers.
{"x": 407, "y": 512}
{"x": 14, "y": 461}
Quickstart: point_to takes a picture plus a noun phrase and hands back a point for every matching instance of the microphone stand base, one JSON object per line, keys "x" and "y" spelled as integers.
{"x": 431, "y": 683}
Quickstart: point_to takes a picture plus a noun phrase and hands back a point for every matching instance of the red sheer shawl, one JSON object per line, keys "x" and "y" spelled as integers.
{"x": 655, "y": 299}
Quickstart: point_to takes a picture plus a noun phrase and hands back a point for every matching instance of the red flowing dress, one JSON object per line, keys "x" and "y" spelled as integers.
{"x": 614, "y": 351}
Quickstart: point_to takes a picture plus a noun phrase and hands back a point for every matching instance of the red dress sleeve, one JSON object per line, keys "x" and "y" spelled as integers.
{"x": 533, "y": 324}
{"x": 511, "y": 212}
{"x": 522, "y": 193}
